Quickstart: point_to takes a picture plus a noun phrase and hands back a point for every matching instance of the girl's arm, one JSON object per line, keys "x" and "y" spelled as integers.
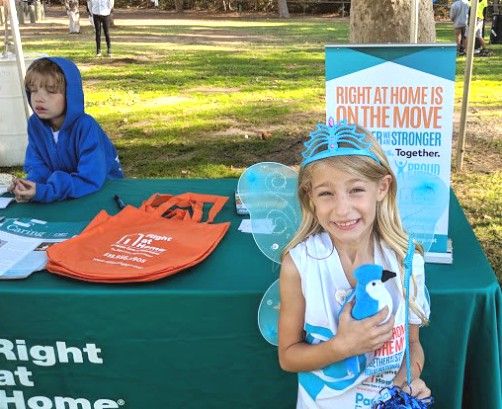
{"x": 417, "y": 358}
{"x": 353, "y": 337}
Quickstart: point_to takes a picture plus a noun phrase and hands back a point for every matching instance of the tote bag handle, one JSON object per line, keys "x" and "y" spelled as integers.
{"x": 195, "y": 202}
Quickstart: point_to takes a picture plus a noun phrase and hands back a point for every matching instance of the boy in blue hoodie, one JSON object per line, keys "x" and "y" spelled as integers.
{"x": 68, "y": 154}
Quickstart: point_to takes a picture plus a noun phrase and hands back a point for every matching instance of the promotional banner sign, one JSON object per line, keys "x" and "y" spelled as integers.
{"x": 404, "y": 95}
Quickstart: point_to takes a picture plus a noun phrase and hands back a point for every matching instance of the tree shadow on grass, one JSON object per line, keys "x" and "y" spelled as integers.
{"x": 190, "y": 70}
{"x": 172, "y": 160}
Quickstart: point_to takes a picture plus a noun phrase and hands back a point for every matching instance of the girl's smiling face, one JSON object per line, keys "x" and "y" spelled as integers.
{"x": 345, "y": 204}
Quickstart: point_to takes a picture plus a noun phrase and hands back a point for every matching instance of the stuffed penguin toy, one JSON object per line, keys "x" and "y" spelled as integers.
{"x": 370, "y": 294}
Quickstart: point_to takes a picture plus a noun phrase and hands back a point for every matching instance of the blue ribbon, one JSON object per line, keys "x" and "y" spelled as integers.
{"x": 401, "y": 400}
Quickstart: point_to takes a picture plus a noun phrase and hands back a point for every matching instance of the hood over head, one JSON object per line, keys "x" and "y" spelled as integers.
{"x": 74, "y": 93}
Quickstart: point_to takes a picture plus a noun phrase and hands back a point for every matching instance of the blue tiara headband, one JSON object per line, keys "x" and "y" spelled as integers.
{"x": 325, "y": 142}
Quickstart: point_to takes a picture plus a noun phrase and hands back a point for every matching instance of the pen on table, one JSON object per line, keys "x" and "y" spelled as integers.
{"x": 119, "y": 201}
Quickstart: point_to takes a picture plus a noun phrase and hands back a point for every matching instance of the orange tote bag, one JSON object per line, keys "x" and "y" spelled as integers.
{"x": 164, "y": 236}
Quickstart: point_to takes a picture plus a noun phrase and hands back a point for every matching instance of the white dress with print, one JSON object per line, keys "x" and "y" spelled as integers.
{"x": 357, "y": 381}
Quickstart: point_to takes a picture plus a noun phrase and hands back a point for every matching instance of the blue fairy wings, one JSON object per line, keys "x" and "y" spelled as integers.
{"x": 268, "y": 191}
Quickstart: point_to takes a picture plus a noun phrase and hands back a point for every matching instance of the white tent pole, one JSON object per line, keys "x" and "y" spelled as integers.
{"x": 467, "y": 84}
{"x": 21, "y": 68}
{"x": 6, "y": 30}
{"x": 414, "y": 16}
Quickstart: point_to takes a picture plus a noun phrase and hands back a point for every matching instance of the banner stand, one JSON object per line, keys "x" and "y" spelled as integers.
{"x": 404, "y": 95}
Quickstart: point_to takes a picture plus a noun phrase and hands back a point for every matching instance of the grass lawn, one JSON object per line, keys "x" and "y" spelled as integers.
{"x": 207, "y": 97}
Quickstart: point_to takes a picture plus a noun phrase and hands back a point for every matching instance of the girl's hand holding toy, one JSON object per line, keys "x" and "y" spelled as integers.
{"x": 362, "y": 336}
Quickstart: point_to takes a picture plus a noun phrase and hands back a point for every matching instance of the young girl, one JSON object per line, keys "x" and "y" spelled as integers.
{"x": 347, "y": 192}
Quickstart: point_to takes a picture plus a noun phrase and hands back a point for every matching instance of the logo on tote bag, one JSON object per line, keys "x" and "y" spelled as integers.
{"x": 140, "y": 244}
{"x": 135, "y": 248}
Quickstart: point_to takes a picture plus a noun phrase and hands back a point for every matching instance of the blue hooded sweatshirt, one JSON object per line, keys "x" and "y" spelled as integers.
{"x": 83, "y": 157}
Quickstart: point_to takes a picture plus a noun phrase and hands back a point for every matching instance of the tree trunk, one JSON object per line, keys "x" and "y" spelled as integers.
{"x": 283, "y": 8}
{"x": 178, "y": 5}
{"x": 388, "y": 21}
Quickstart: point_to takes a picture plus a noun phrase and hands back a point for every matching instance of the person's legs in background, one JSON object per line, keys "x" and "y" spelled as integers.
{"x": 106, "y": 29}
{"x": 97, "y": 31}
{"x": 460, "y": 39}
{"x": 479, "y": 36}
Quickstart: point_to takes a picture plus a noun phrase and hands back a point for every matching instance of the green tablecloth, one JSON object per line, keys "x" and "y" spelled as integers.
{"x": 191, "y": 340}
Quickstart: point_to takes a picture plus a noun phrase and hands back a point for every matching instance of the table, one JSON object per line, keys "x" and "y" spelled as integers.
{"x": 191, "y": 340}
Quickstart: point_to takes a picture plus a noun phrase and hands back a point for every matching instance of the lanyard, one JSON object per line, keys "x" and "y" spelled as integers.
{"x": 408, "y": 267}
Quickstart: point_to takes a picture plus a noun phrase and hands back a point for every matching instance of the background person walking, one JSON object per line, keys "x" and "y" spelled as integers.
{"x": 459, "y": 15}
{"x": 101, "y": 10}
{"x": 73, "y": 13}
{"x": 480, "y": 19}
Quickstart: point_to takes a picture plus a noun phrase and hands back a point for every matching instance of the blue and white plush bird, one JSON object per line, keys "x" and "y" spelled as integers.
{"x": 371, "y": 295}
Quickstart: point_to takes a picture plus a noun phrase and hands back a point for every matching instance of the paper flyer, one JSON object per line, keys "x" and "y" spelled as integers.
{"x": 23, "y": 244}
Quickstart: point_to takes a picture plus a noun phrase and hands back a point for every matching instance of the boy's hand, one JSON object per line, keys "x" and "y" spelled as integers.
{"x": 24, "y": 190}
{"x": 367, "y": 335}
{"x": 12, "y": 185}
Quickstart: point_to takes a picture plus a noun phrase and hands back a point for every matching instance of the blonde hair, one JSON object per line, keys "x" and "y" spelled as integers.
{"x": 387, "y": 225}
{"x": 47, "y": 74}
